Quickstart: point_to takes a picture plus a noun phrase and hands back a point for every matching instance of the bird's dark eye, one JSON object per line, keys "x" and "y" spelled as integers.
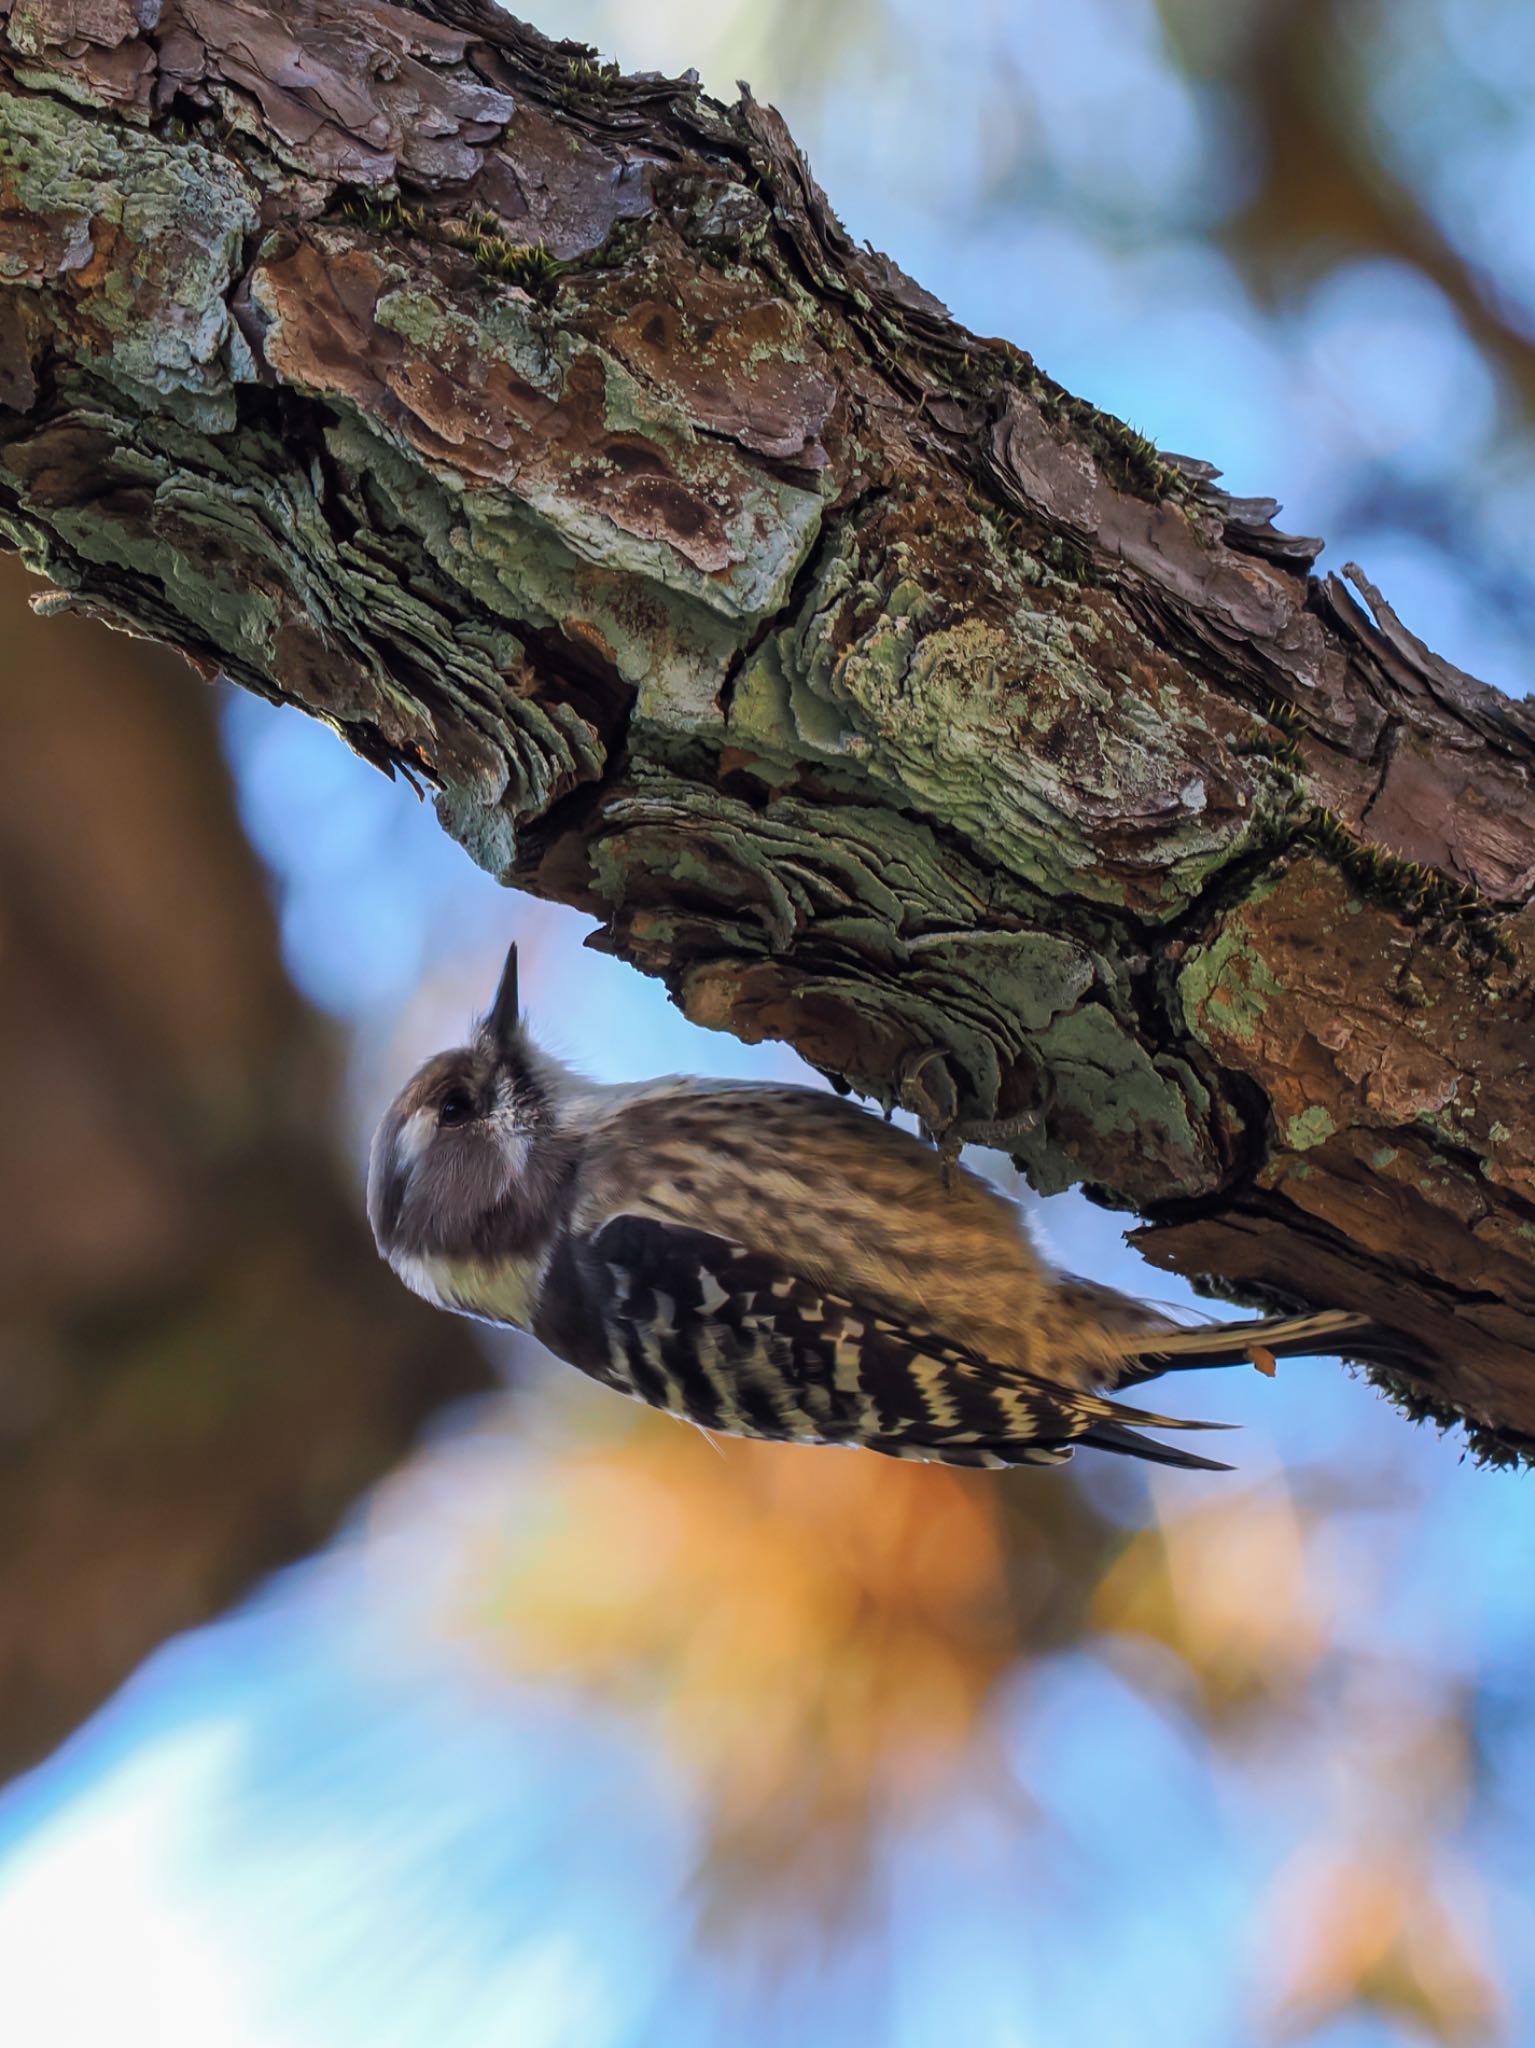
{"x": 457, "y": 1107}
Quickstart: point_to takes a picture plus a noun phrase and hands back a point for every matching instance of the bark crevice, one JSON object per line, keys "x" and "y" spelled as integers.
{"x": 544, "y": 432}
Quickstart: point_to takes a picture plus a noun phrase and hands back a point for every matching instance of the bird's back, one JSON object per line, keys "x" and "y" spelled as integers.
{"x": 836, "y": 1194}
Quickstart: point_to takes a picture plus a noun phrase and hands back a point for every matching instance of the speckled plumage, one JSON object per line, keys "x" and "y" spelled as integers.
{"x": 766, "y": 1260}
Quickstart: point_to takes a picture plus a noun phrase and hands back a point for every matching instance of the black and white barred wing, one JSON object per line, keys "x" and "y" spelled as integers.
{"x": 734, "y": 1340}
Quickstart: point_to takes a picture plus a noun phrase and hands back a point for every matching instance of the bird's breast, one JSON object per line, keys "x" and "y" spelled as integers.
{"x": 502, "y": 1290}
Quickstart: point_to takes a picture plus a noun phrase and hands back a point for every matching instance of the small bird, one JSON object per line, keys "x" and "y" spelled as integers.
{"x": 770, "y": 1261}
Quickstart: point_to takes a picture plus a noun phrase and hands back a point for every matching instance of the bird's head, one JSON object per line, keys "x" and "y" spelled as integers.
{"x": 466, "y": 1160}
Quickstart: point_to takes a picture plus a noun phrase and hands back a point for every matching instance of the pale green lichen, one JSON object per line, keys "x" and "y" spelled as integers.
{"x": 164, "y": 228}
{"x": 796, "y": 873}
{"x": 502, "y": 333}
{"x": 1226, "y": 987}
{"x": 230, "y": 611}
{"x": 1310, "y": 1127}
{"x": 929, "y": 707}
{"x": 511, "y": 563}
{"x": 1102, "y": 1079}
{"x": 775, "y": 711}
{"x": 487, "y": 833}
{"x": 767, "y": 526}
{"x": 1031, "y": 978}
{"x": 541, "y": 548}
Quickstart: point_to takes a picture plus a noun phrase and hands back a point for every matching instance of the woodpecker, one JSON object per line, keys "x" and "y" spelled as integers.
{"x": 770, "y": 1261}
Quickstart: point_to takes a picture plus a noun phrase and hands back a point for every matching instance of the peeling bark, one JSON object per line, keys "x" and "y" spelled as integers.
{"x": 543, "y": 431}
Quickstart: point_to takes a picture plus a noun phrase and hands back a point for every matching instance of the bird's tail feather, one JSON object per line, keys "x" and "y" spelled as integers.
{"x": 1115, "y": 1426}
{"x": 1149, "y": 1353}
{"x": 1113, "y": 1436}
{"x": 1102, "y": 1409}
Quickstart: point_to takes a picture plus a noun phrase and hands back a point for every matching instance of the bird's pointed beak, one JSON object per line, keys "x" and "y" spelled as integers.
{"x": 504, "y": 1017}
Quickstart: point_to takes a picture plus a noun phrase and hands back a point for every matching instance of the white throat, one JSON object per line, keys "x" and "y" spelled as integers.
{"x": 492, "y": 1290}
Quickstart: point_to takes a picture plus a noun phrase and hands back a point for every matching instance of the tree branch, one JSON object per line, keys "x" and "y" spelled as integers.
{"x": 543, "y": 431}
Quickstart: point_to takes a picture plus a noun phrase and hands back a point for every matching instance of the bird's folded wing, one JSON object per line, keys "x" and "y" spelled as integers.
{"x": 845, "y": 1200}
{"x": 736, "y": 1339}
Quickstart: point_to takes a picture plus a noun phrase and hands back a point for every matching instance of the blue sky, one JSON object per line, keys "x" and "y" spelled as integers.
{"x": 329, "y": 1820}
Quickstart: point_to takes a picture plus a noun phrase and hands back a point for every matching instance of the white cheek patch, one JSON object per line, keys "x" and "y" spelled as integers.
{"x": 512, "y": 1143}
{"x": 413, "y": 1137}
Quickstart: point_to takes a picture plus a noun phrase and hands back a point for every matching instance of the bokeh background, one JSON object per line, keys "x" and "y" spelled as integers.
{"x": 584, "y": 1731}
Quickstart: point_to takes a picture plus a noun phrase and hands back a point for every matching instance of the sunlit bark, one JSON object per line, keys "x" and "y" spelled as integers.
{"x": 543, "y": 430}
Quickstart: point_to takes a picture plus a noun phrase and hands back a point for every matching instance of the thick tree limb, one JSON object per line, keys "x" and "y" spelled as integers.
{"x": 875, "y": 691}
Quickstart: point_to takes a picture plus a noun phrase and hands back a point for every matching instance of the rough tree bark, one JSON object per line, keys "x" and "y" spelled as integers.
{"x": 542, "y": 430}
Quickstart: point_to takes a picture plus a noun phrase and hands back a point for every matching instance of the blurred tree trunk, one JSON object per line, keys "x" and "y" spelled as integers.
{"x": 542, "y": 430}
{"x": 202, "y": 1361}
